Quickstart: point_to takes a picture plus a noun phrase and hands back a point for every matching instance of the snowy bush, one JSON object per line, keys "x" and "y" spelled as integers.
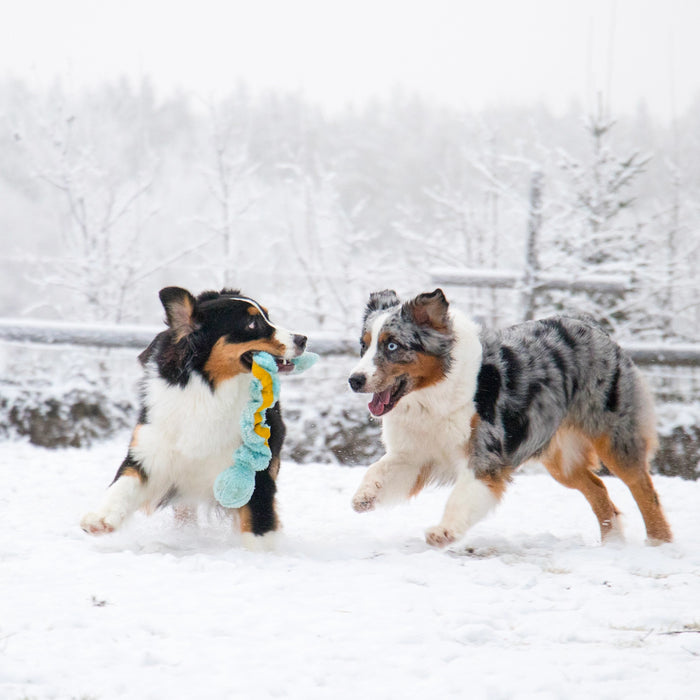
{"x": 59, "y": 397}
{"x": 679, "y": 441}
{"x": 73, "y": 419}
{"x": 679, "y": 453}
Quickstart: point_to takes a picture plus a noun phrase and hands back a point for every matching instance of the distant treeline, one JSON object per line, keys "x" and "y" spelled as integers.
{"x": 112, "y": 192}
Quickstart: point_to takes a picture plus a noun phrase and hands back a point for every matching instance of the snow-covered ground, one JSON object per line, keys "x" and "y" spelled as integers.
{"x": 349, "y": 606}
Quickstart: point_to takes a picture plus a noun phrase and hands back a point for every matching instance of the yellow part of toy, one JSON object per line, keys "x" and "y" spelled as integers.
{"x": 265, "y": 379}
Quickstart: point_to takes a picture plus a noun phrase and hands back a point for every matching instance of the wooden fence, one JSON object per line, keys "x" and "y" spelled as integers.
{"x": 138, "y": 337}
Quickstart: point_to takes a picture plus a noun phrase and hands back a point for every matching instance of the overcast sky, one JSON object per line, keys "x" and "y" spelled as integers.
{"x": 466, "y": 53}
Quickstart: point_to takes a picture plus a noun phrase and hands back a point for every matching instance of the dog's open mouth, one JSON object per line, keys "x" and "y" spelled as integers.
{"x": 282, "y": 364}
{"x": 383, "y": 401}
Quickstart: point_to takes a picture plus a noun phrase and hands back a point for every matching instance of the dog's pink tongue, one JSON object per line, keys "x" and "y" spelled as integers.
{"x": 379, "y": 402}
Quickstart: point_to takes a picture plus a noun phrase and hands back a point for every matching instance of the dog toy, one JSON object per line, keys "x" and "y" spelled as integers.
{"x": 234, "y": 487}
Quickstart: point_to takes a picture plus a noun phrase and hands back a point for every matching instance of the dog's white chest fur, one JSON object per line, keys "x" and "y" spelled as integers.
{"x": 191, "y": 434}
{"x": 432, "y": 425}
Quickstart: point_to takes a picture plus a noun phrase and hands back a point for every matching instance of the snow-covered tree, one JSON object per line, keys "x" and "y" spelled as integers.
{"x": 100, "y": 176}
{"x": 595, "y": 230}
{"x": 231, "y": 182}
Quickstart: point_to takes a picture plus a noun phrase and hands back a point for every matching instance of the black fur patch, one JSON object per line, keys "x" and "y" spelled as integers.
{"x": 488, "y": 387}
{"x": 515, "y": 429}
{"x": 560, "y": 364}
{"x": 210, "y": 294}
{"x": 273, "y": 416}
{"x": 512, "y": 367}
{"x": 558, "y": 327}
{"x": 173, "y": 364}
{"x": 261, "y": 504}
{"x": 533, "y": 389}
{"x": 612, "y": 397}
{"x": 574, "y": 387}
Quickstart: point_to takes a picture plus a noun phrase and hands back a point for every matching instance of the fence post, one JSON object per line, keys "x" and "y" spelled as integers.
{"x": 532, "y": 264}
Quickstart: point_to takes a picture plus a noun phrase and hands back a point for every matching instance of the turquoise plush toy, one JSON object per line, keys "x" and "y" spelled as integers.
{"x": 234, "y": 487}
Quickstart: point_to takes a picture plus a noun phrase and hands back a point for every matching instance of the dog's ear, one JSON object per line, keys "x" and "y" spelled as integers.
{"x": 378, "y": 301}
{"x": 179, "y": 307}
{"x": 429, "y": 309}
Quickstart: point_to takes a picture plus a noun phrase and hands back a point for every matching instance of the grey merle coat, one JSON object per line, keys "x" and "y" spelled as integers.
{"x": 559, "y": 390}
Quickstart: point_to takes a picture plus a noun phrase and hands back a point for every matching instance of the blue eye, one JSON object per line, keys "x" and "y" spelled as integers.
{"x": 391, "y": 347}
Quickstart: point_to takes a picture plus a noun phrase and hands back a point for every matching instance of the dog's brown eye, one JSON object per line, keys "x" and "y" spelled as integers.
{"x": 251, "y": 325}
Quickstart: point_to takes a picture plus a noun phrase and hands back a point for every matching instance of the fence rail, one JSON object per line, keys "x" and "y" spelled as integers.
{"x": 138, "y": 337}
{"x": 511, "y": 279}
{"x": 126, "y": 336}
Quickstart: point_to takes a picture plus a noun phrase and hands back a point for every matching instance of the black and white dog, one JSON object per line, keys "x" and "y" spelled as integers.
{"x": 196, "y": 382}
{"x": 465, "y": 406}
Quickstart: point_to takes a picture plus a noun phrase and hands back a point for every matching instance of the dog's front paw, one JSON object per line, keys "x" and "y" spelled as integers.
{"x": 260, "y": 543}
{"x": 363, "y": 503}
{"x": 440, "y": 536}
{"x": 366, "y": 498}
{"x": 95, "y": 524}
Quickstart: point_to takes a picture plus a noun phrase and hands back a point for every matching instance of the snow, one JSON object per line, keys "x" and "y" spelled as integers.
{"x": 348, "y": 606}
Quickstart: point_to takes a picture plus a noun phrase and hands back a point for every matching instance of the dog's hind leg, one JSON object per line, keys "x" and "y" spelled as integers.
{"x": 126, "y": 494}
{"x": 570, "y": 458}
{"x": 471, "y": 500}
{"x": 635, "y": 473}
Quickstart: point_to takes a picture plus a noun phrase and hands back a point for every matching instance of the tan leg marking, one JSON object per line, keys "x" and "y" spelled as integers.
{"x": 636, "y": 476}
{"x": 131, "y": 471}
{"x": 245, "y": 519}
{"x": 498, "y": 483}
{"x": 422, "y": 479}
{"x": 571, "y": 459}
{"x": 274, "y": 467}
{"x": 135, "y": 436}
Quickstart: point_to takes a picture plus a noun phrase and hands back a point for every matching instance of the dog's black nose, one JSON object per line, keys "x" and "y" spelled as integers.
{"x": 357, "y": 381}
{"x": 300, "y": 342}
